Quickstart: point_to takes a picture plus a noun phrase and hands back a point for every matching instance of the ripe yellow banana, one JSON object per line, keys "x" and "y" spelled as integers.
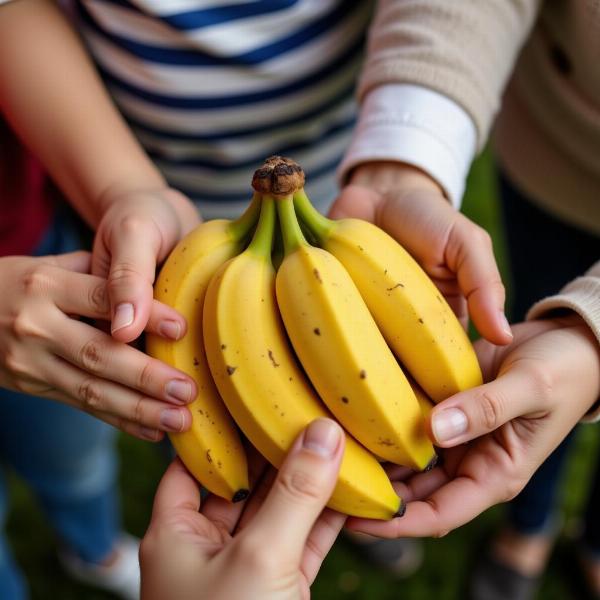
{"x": 211, "y": 449}
{"x": 412, "y": 314}
{"x": 424, "y": 401}
{"x": 262, "y": 385}
{"x": 343, "y": 352}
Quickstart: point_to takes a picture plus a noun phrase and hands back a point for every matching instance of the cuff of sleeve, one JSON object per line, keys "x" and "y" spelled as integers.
{"x": 417, "y": 126}
{"x": 580, "y": 296}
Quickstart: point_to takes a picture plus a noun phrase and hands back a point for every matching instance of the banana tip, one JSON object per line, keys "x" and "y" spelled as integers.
{"x": 432, "y": 463}
{"x": 240, "y": 495}
{"x": 401, "y": 510}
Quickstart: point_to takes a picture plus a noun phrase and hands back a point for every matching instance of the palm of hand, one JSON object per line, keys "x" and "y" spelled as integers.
{"x": 539, "y": 388}
{"x": 215, "y": 547}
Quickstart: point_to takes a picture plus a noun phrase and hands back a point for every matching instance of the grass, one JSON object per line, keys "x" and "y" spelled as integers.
{"x": 345, "y": 575}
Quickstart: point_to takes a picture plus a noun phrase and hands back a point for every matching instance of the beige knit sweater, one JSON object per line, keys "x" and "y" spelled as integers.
{"x": 547, "y": 134}
{"x": 548, "y": 131}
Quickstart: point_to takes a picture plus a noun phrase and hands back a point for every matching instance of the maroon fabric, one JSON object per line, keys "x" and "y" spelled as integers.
{"x": 26, "y": 196}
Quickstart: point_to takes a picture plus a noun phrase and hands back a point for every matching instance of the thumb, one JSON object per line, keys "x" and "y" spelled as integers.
{"x": 300, "y": 492}
{"x": 475, "y": 412}
{"x": 78, "y": 262}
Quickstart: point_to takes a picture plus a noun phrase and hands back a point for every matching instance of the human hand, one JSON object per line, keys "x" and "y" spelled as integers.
{"x": 46, "y": 351}
{"x": 455, "y": 252}
{"x": 187, "y": 554}
{"x": 498, "y": 434}
{"x": 137, "y": 231}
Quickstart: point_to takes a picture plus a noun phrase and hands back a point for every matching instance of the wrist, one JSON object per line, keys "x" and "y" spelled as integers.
{"x": 184, "y": 210}
{"x": 116, "y": 191}
{"x": 386, "y": 176}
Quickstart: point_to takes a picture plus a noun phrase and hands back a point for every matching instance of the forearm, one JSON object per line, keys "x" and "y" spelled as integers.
{"x": 463, "y": 50}
{"x": 582, "y": 296}
{"x": 55, "y": 101}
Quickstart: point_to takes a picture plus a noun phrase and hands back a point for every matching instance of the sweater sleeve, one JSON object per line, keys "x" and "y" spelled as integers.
{"x": 582, "y": 296}
{"x": 462, "y": 49}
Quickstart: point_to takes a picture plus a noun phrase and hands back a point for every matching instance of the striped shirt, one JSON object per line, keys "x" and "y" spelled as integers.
{"x": 212, "y": 87}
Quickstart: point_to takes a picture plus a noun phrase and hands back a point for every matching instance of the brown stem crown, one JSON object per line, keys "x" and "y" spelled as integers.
{"x": 278, "y": 177}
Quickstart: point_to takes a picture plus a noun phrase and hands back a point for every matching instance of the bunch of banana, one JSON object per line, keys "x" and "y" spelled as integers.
{"x": 260, "y": 381}
{"x": 315, "y": 335}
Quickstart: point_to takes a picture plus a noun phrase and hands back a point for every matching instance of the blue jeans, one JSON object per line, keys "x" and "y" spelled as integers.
{"x": 545, "y": 254}
{"x": 65, "y": 456}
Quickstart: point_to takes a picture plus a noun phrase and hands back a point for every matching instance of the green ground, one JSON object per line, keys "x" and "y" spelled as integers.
{"x": 345, "y": 575}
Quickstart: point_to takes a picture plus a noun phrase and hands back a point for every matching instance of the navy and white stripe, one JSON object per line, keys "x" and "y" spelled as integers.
{"x": 212, "y": 87}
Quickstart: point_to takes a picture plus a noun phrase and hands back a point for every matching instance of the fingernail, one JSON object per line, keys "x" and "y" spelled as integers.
{"x": 170, "y": 329}
{"x": 124, "y": 315}
{"x": 448, "y": 424}
{"x": 172, "y": 419}
{"x": 322, "y": 437}
{"x": 179, "y": 390}
{"x": 505, "y": 324}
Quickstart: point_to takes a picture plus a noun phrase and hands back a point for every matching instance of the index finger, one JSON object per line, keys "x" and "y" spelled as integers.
{"x": 452, "y": 505}
{"x": 470, "y": 255}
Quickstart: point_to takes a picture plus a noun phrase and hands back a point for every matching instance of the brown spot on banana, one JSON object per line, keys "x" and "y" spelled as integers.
{"x": 272, "y": 359}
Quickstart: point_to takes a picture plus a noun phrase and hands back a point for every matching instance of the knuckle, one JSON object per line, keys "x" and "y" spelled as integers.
{"x": 315, "y": 549}
{"x": 137, "y": 412}
{"x": 542, "y": 381}
{"x": 24, "y": 326}
{"x": 440, "y": 533}
{"x": 14, "y": 363}
{"x": 98, "y": 298}
{"x": 513, "y": 488}
{"x": 33, "y": 388}
{"x": 132, "y": 225}
{"x": 90, "y": 394}
{"x": 491, "y": 411}
{"x": 480, "y": 236}
{"x": 145, "y": 376}
{"x": 36, "y": 280}
{"x": 121, "y": 273}
{"x": 92, "y": 355}
{"x": 299, "y": 485}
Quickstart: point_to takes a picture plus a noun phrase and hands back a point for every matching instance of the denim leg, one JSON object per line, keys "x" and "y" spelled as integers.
{"x": 544, "y": 254}
{"x": 12, "y": 584}
{"x": 68, "y": 458}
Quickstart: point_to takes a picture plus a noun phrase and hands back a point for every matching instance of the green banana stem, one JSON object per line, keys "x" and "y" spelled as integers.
{"x": 290, "y": 228}
{"x": 262, "y": 241}
{"x": 242, "y": 226}
{"x": 278, "y": 252}
{"x": 319, "y": 225}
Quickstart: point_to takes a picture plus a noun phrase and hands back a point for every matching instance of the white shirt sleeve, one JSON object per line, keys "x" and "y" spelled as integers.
{"x": 416, "y": 125}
